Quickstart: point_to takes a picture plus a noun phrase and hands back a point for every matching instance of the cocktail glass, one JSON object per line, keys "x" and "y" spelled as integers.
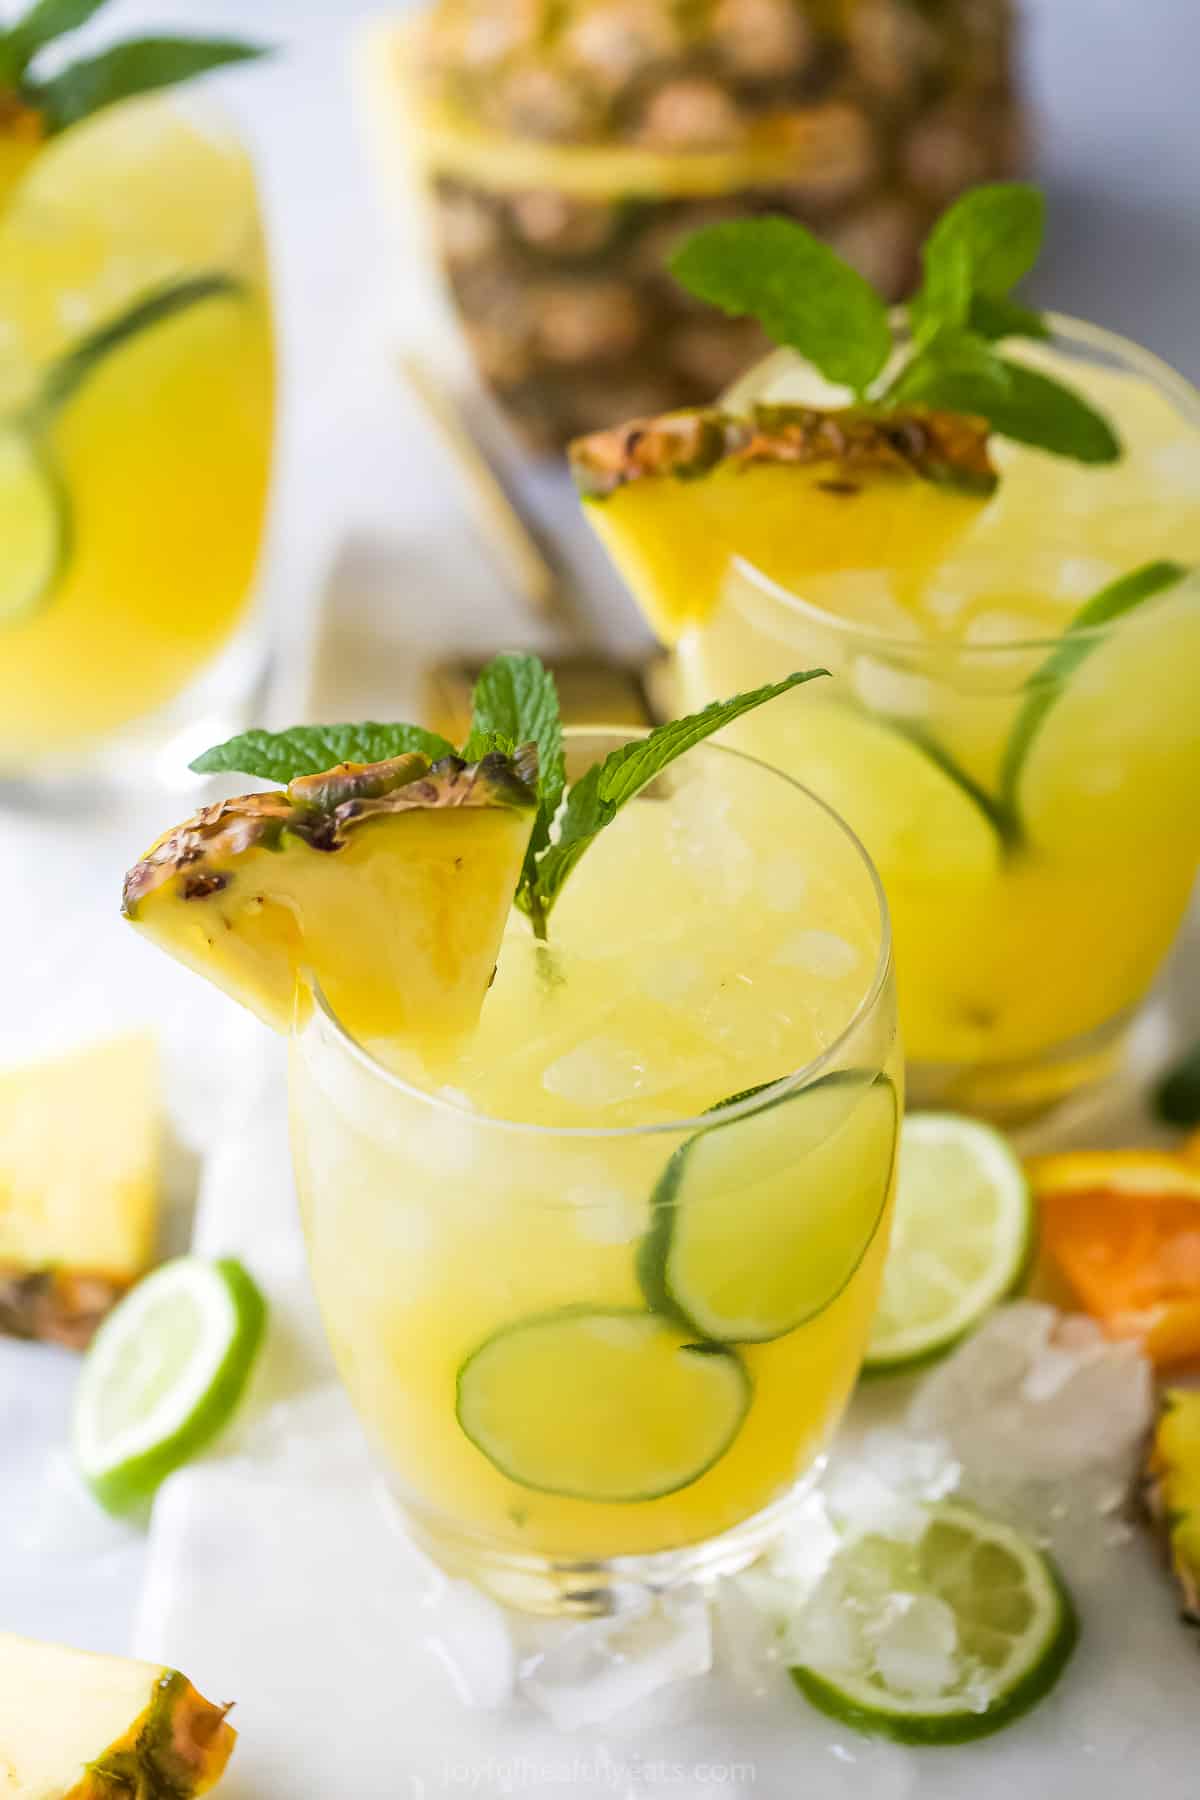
{"x": 136, "y": 415}
{"x": 601, "y": 1292}
{"x": 1026, "y": 795}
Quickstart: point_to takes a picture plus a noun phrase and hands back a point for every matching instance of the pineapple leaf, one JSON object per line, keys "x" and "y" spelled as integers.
{"x": 280, "y": 756}
{"x": 44, "y": 21}
{"x": 136, "y": 67}
{"x": 798, "y": 289}
{"x": 596, "y": 799}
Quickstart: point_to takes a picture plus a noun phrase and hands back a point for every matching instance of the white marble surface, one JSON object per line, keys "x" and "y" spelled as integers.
{"x": 1121, "y": 154}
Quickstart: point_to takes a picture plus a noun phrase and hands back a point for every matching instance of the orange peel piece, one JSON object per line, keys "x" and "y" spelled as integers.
{"x": 1122, "y": 1227}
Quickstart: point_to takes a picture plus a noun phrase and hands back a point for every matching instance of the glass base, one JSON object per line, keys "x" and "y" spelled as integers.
{"x": 572, "y": 1587}
{"x": 1014, "y": 1093}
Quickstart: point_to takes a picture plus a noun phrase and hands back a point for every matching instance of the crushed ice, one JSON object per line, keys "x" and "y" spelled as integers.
{"x": 1035, "y": 1412}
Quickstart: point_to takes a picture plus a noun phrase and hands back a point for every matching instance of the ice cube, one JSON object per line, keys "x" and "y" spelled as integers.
{"x": 994, "y": 626}
{"x": 1041, "y": 1409}
{"x": 599, "y": 1072}
{"x": 703, "y": 838}
{"x": 820, "y": 953}
{"x": 915, "y": 1645}
{"x": 672, "y": 978}
{"x": 584, "y": 1674}
{"x": 783, "y": 881}
{"x": 1176, "y": 469}
{"x": 471, "y": 1639}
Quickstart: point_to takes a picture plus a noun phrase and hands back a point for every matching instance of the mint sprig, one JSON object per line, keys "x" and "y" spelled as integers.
{"x": 799, "y": 290}
{"x": 136, "y": 66}
{"x": 807, "y": 298}
{"x": 595, "y": 800}
{"x": 515, "y": 702}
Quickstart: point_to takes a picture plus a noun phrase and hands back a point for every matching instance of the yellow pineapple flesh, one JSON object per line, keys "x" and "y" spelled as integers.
{"x": 387, "y": 885}
{"x": 1173, "y": 1489}
{"x": 80, "y": 1145}
{"x": 794, "y": 490}
{"x": 74, "y": 1726}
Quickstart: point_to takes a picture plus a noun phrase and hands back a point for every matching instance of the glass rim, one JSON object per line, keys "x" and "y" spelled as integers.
{"x": 768, "y": 1095}
{"x": 1068, "y": 329}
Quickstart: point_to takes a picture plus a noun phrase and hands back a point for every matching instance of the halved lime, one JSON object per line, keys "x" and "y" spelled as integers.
{"x": 602, "y": 1403}
{"x": 163, "y": 1375}
{"x": 759, "y": 1223}
{"x": 34, "y": 523}
{"x": 1095, "y": 747}
{"x": 962, "y": 1237}
{"x": 943, "y": 1639}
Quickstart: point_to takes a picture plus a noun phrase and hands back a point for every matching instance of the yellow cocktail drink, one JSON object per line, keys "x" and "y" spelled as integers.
{"x": 584, "y": 1316}
{"x": 1024, "y": 788}
{"x": 135, "y": 422}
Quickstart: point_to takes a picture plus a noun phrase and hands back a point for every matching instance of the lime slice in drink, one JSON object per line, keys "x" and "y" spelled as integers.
{"x": 908, "y": 803}
{"x": 941, "y": 1640}
{"x": 1095, "y": 748}
{"x": 962, "y": 1236}
{"x": 34, "y": 524}
{"x": 605, "y": 1404}
{"x": 759, "y": 1223}
{"x": 164, "y": 1373}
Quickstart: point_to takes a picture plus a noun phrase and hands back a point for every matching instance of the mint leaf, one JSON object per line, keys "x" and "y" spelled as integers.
{"x": 996, "y": 231}
{"x": 952, "y": 351}
{"x": 1177, "y": 1095}
{"x": 280, "y": 756}
{"x": 40, "y": 25}
{"x": 944, "y": 298}
{"x": 992, "y": 318}
{"x": 64, "y": 377}
{"x": 1035, "y": 410}
{"x": 136, "y": 67}
{"x": 798, "y": 289}
{"x": 516, "y": 702}
{"x": 597, "y": 798}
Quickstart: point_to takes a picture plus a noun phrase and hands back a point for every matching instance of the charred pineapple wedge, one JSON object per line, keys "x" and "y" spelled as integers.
{"x": 792, "y": 489}
{"x": 80, "y": 1148}
{"x": 387, "y": 884}
{"x": 1173, "y": 1489}
{"x": 79, "y": 1727}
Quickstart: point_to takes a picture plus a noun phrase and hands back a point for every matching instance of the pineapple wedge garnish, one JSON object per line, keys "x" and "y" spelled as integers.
{"x": 387, "y": 884}
{"x": 79, "y": 1186}
{"x": 792, "y": 489}
{"x": 1173, "y": 1489}
{"x": 79, "y": 1727}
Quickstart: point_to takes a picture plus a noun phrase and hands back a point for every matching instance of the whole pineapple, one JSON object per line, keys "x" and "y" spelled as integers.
{"x": 571, "y": 143}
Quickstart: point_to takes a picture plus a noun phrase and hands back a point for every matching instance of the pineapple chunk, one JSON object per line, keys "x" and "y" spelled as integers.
{"x": 80, "y": 1727}
{"x": 79, "y": 1186}
{"x": 388, "y": 884}
{"x": 792, "y": 489}
{"x": 1173, "y": 1489}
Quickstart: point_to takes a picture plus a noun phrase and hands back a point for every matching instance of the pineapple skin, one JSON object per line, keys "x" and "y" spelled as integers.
{"x": 179, "y": 1747}
{"x": 165, "y": 1741}
{"x": 570, "y": 144}
{"x": 255, "y": 893}
{"x": 1172, "y": 1490}
{"x": 78, "y": 1207}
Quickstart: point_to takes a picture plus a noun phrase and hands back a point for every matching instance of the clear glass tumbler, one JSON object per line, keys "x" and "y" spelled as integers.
{"x": 136, "y": 420}
{"x": 601, "y": 1290}
{"x": 1026, "y": 791}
